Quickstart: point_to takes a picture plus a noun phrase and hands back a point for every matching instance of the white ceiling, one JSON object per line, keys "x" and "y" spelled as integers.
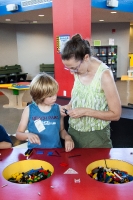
{"x": 96, "y": 15}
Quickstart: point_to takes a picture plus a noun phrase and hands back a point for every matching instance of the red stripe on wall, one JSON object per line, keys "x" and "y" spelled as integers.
{"x": 69, "y": 17}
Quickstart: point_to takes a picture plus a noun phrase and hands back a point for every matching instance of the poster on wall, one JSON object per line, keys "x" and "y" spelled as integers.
{"x": 111, "y": 41}
{"x": 61, "y": 40}
{"x": 97, "y": 42}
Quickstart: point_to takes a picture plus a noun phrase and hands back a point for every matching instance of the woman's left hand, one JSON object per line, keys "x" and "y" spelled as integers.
{"x": 77, "y": 112}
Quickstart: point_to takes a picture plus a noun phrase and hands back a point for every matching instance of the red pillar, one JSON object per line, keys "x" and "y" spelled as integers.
{"x": 69, "y": 17}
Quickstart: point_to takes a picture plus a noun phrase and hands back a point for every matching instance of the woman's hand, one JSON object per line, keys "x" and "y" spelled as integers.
{"x": 64, "y": 109}
{"x": 78, "y": 112}
{"x": 33, "y": 138}
{"x": 69, "y": 144}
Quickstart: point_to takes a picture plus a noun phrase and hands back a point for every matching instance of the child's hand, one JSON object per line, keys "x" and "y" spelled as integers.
{"x": 33, "y": 138}
{"x": 69, "y": 144}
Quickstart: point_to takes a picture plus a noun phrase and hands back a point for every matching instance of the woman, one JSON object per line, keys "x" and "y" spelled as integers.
{"x": 94, "y": 98}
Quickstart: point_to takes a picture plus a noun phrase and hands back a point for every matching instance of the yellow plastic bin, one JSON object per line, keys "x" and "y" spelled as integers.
{"x": 25, "y": 166}
{"x": 111, "y": 164}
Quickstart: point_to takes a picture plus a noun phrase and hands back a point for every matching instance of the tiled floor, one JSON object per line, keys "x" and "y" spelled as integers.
{"x": 10, "y": 117}
{"x": 125, "y": 89}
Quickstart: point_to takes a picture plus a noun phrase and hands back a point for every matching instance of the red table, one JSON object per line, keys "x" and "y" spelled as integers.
{"x": 64, "y": 185}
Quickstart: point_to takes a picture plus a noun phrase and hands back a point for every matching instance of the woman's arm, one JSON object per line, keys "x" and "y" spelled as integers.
{"x": 20, "y": 133}
{"x": 112, "y": 96}
{"x": 69, "y": 144}
{"x": 113, "y": 100}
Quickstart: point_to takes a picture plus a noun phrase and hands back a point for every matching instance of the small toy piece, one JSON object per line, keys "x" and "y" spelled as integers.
{"x": 77, "y": 180}
{"x": 63, "y": 164}
{"x": 50, "y": 153}
{"x": 65, "y": 111}
{"x": 108, "y": 175}
{"x": 31, "y": 176}
{"x": 74, "y": 156}
{"x": 70, "y": 171}
{"x": 28, "y": 152}
{"x": 57, "y": 153}
{"x": 4, "y": 185}
{"x": 39, "y": 152}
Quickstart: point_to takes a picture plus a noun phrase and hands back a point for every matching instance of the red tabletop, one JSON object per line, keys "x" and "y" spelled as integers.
{"x": 63, "y": 185}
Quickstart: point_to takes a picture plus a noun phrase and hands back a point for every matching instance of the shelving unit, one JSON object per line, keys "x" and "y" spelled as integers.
{"x": 108, "y": 55}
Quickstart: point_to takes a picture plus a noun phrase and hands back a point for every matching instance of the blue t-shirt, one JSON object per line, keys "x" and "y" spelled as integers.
{"x": 49, "y": 136}
{"x": 4, "y": 136}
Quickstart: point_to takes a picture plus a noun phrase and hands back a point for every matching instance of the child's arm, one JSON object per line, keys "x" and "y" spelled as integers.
{"x": 5, "y": 145}
{"x": 20, "y": 133}
{"x": 5, "y": 141}
{"x": 69, "y": 144}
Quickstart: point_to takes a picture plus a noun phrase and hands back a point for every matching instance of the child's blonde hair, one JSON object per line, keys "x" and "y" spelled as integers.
{"x": 43, "y": 86}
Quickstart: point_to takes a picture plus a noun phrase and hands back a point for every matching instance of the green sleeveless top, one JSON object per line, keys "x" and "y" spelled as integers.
{"x": 89, "y": 96}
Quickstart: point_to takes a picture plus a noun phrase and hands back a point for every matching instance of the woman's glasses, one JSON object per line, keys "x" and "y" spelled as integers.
{"x": 75, "y": 70}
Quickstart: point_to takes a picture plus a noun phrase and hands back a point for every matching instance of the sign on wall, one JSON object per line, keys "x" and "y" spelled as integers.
{"x": 97, "y": 42}
{"x": 61, "y": 40}
{"x": 34, "y": 2}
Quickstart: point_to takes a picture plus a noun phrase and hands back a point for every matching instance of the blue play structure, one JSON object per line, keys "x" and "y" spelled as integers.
{"x": 123, "y": 5}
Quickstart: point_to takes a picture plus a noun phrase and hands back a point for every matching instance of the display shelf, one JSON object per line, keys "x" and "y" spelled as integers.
{"x": 108, "y": 55}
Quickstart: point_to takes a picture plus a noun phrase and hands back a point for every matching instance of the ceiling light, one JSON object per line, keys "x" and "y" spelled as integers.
{"x": 112, "y": 3}
{"x": 101, "y": 20}
{"x": 34, "y": 22}
{"x": 41, "y": 15}
{"x": 113, "y": 12}
{"x": 11, "y": 7}
{"x": 8, "y": 20}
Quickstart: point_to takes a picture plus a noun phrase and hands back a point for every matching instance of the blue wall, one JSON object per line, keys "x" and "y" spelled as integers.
{"x": 3, "y": 10}
{"x": 124, "y": 6}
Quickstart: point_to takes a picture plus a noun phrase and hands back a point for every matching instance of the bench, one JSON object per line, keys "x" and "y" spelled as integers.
{"x": 47, "y": 68}
{"x": 12, "y": 74}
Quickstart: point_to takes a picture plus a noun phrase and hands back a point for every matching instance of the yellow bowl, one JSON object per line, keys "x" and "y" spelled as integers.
{"x": 110, "y": 163}
{"x": 24, "y": 166}
{"x": 114, "y": 164}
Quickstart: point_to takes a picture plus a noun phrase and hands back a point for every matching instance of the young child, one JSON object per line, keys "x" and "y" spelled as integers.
{"x": 5, "y": 141}
{"x": 42, "y": 117}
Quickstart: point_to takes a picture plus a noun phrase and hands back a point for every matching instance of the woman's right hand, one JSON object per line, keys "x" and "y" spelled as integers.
{"x": 64, "y": 109}
{"x": 33, "y": 138}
